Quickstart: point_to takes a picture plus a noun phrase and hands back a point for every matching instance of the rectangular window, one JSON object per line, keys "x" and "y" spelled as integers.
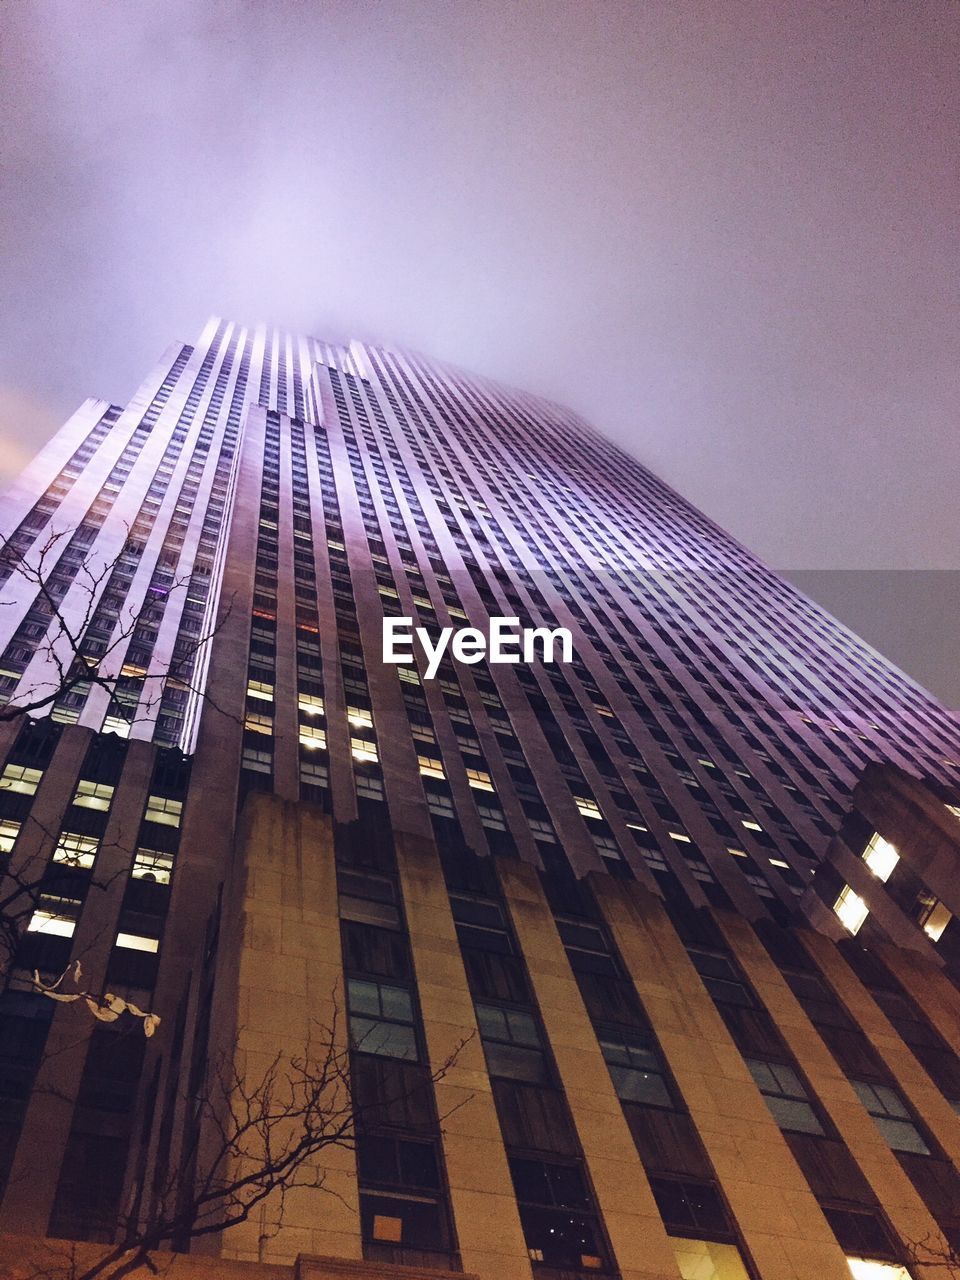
{"x": 511, "y": 1043}
{"x": 694, "y": 1207}
{"x": 891, "y": 1116}
{"x": 785, "y": 1095}
{"x": 381, "y": 1019}
{"x": 93, "y": 795}
{"x": 708, "y": 1260}
{"x": 851, "y": 909}
{"x": 635, "y": 1069}
{"x": 164, "y": 810}
{"x": 9, "y": 831}
{"x": 17, "y": 777}
{"x": 76, "y": 850}
{"x": 555, "y": 1207}
{"x": 881, "y": 857}
{"x": 721, "y": 978}
{"x": 367, "y": 898}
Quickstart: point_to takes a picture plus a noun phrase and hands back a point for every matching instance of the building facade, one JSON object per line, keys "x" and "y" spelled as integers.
{"x": 641, "y": 964}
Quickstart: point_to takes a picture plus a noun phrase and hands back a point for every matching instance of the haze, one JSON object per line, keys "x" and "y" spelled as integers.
{"x": 725, "y": 232}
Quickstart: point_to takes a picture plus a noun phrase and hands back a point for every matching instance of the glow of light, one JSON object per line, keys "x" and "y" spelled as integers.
{"x": 870, "y": 1269}
{"x": 47, "y": 922}
{"x": 881, "y": 857}
{"x": 851, "y": 909}
{"x": 136, "y": 942}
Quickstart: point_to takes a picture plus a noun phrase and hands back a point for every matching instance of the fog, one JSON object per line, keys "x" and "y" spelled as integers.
{"x": 725, "y": 232}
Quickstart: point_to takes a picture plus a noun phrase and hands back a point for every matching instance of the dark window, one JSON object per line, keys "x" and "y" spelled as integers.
{"x": 636, "y": 1070}
{"x": 555, "y": 1214}
{"x": 480, "y": 924}
{"x": 691, "y": 1208}
{"x": 721, "y": 978}
{"x": 367, "y": 898}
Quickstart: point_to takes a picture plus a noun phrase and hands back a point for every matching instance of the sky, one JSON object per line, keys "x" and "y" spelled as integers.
{"x": 725, "y": 232}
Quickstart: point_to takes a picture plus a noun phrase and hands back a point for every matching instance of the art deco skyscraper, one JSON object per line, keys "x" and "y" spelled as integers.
{"x": 678, "y": 915}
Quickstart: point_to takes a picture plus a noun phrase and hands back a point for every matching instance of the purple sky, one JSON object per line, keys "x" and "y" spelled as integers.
{"x": 726, "y": 232}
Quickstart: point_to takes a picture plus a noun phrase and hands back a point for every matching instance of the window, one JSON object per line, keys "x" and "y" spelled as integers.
{"x": 721, "y": 978}
{"x": 890, "y": 1115}
{"x": 588, "y": 807}
{"x": 137, "y": 942}
{"x": 260, "y": 689}
{"x": 511, "y": 1043}
{"x": 480, "y": 923}
{"x": 9, "y": 831}
{"x": 555, "y": 1214}
{"x": 870, "y": 1269}
{"x": 691, "y": 1206}
{"x": 17, "y": 777}
{"x": 163, "y": 810}
{"x": 76, "y": 850}
{"x": 149, "y": 864}
{"x": 635, "y": 1069}
{"x": 586, "y": 947}
{"x": 364, "y": 751}
{"x": 479, "y": 779}
{"x": 312, "y": 737}
{"x": 785, "y": 1096}
{"x": 93, "y": 795}
{"x": 708, "y": 1260}
{"x": 369, "y": 899}
{"x": 851, "y": 909}
{"x": 256, "y": 722}
{"x": 881, "y": 857}
{"x": 381, "y": 1019}
{"x": 430, "y": 767}
{"x": 310, "y": 704}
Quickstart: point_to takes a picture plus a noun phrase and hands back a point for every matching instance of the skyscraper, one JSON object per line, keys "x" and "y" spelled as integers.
{"x": 643, "y": 962}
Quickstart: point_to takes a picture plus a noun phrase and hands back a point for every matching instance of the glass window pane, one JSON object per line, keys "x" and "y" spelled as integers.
{"x": 523, "y": 1029}
{"x": 793, "y": 1115}
{"x": 891, "y": 1102}
{"x": 386, "y": 1039}
{"x": 514, "y": 1062}
{"x": 902, "y": 1135}
{"x": 640, "y": 1086}
{"x": 396, "y": 1003}
{"x": 364, "y": 997}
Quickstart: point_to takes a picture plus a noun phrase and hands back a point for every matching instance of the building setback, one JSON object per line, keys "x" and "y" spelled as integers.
{"x": 643, "y": 964}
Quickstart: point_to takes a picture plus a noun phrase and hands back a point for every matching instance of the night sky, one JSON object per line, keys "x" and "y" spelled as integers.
{"x": 727, "y": 233}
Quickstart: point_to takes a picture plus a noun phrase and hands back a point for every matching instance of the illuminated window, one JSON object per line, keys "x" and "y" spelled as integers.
{"x": 932, "y": 916}
{"x": 16, "y": 777}
{"x": 881, "y": 857}
{"x": 851, "y": 909}
{"x": 360, "y": 717}
{"x": 93, "y": 795}
{"x": 56, "y": 916}
{"x": 479, "y": 780}
{"x": 679, "y": 837}
{"x": 750, "y": 824}
{"x": 708, "y": 1260}
{"x": 588, "y": 807}
{"x": 137, "y": 942}
{"x": 310, "y": 704}
{"x": 260, "y": 689}
{"x": 431, "y": 767}
{"x": 164, "y": 810}
{"x": 257, "y": 723}
{"x": 150, "y": 864}
{"x": 364, "y": 751}
{"x": 75, "y": 850}
{"x": 313, "y": 737}
{"x": 408, "y": 675}
{"x": 8, "y": 833}
{"x": 868, "y": 1269}
{"x": 117, "y": 725}
{"x": 737, "y": 853}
